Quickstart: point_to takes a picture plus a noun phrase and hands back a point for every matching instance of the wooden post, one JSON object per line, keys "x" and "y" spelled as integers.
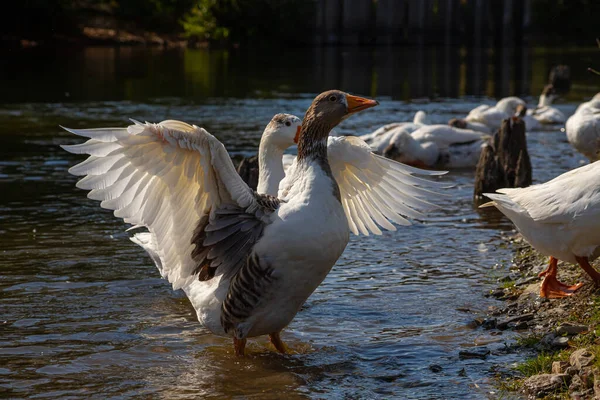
{"x": 357, "y": 21}
{"x": 332, "y": 16}
{"x": 505, "y": 162}
{"x": 478, "y": 22}
{"x": 390, "y": 21}
{"x": 526, "y": 15}
{"x": 319, "y": 22}
{"x": 416, "y": 17}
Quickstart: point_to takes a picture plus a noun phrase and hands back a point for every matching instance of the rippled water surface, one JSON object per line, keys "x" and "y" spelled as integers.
{"x": 83, "y": 312}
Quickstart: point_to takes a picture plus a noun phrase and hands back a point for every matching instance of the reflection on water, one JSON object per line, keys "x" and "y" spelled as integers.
{"x": 134, "y": 73}
{"x": 84, "y": 313}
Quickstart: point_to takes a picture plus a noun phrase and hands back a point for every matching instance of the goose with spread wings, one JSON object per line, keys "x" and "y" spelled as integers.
{"x": 247, "y": 261}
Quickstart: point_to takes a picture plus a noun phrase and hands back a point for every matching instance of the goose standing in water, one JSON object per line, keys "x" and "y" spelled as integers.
{"x": 560, "y": 219}
{"x": 583, "y": 129}
{"x": 246, "y": 261}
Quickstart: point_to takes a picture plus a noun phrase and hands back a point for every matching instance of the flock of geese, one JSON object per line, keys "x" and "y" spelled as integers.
{"x": 248, "y": 259}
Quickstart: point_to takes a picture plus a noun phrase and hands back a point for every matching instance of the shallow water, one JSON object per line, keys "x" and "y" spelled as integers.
{"x": 84, "y": 312}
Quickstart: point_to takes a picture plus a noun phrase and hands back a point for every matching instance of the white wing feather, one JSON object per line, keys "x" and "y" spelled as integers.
{"x": 571, "y": 198}
{"x": 375, "y": 190}
{"x": 164, "y": 177}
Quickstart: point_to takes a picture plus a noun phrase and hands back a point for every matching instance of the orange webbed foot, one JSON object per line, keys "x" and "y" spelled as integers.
{"x": 552, "y": 288}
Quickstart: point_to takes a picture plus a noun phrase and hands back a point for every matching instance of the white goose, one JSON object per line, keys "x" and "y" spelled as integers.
{"x": 545, "y": 113}
{"x": 246, "y": 261}
{"x": 439, "y": 146}
{"x": 487, "y": 118}
{"x": 560, "y": 219}
{"x": 471, "y": 125}
{"x": 380, "y": 138}
{"x": 583, "y": 129}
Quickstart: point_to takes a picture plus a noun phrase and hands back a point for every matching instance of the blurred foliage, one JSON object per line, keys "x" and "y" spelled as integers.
{"x": 247, "y": 20}
{"x": 219, "y": 20}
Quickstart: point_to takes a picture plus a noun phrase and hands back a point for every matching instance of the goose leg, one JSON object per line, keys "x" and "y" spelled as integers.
{"x": 585, "y": 265}
{"x": 551, "y": 287}
{"x": 276, "y": 340}
{"x": 239, "y": 345}
{"x": 551, "y": 262}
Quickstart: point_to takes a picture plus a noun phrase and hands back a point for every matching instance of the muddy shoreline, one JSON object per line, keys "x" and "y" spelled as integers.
{"x": 557, "y": 336}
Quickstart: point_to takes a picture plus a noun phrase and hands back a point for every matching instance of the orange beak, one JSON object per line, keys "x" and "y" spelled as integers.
{"x": 356, "y": 104}
{"x": 298, "y": 129}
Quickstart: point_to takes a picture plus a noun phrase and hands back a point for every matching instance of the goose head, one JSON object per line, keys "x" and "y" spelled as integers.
{"x": 330, "y": 108}
{"x": 326, "y": 111}
{"x": 282, "y": 131}
{"x": 458, "y": 123}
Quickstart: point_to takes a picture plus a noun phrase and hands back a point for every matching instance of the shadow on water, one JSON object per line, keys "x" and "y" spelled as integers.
{"x": 84, "y": 311}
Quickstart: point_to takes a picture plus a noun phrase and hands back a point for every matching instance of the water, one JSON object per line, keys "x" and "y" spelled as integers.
{"x": 83, "y": 312}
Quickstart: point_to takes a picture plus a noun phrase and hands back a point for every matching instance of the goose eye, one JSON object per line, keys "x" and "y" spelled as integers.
{"x": 332, "y": 98}
{"x": 288, "y": 123}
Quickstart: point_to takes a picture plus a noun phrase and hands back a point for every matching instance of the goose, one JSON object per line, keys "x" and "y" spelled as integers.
{"x": 545, "y": 113}
{"x": 489, "y": 116}
{"x": 439, "y": 146}
{"x": 593, "y": 103}
{"x": 380, "y": 138}
{"x": 471, "y": 125}
{"x": 583, "y": 129}
{"x": 560, "y": 219}
{"x": 246, "y": 261}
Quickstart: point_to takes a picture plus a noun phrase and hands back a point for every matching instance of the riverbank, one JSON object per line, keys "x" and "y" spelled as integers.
{"x": 94, "y": 36}
{"x": 560, "y": 334}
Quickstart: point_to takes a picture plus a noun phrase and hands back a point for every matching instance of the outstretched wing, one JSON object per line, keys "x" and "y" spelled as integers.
{"x": 170, "y": 178}
{"x": 376, "y": 191}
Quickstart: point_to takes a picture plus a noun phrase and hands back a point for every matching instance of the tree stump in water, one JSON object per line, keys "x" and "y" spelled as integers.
{"x": 504, "y": 162}
{"x": 248, "y": 170}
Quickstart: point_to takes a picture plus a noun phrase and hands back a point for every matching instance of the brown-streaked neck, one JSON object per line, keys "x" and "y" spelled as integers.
{"x": 312, "y": 142}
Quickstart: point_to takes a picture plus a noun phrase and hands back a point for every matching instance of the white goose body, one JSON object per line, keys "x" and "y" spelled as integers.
{"x": 492, "y": 116}
{"x": 312, "y": 217}
{"x": 283, "y": 246}
{"x": 381, "y": 137}
{"x": 583, "y": 129}
{"x": 545, "y": 113}
{"x": 559, "y": 218}
{"x": 439, "y": 146}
